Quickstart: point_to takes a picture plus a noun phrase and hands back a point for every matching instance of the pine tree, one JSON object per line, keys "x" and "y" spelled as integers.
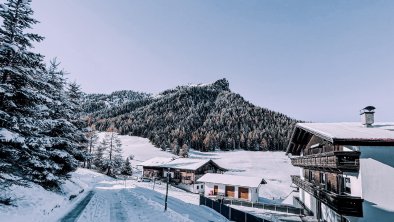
{"x": 126, "y": 169}
{"x": 184, "y": 151}
{"x": 98, "y": 160}
{"x": 92, "y": 137}
{"x": 37, "y": 144}
{"x": 108, "y": 158}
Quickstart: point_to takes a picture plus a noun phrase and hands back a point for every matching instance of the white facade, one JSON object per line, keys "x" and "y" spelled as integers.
{"x": 194, "y": 188}
{"x": 374, "y": 183}
{"x": 253, "y": 194}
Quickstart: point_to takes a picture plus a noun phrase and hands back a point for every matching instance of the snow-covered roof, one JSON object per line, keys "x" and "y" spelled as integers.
{"x": 232, "y": 180}
{"x": 378, "y": 132}
{"x": 186, "y": 163}
{"x": 180, "y": 163}
{"x": 156, "y": 161}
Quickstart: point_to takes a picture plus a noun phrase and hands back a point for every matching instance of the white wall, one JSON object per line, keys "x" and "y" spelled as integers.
{"x": 253, "y": 191}
{"x": 376, "y": 183}
{"x": 194, "y": 188}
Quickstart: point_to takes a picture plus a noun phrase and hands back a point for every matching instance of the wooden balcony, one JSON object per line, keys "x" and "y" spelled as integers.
{"x": 337, "y": 160}
{"x": 342, "y": 204}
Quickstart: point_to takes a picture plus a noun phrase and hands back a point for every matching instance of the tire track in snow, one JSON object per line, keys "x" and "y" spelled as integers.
{"x": 74, "y": 214}
{"x": 117, "y": 211}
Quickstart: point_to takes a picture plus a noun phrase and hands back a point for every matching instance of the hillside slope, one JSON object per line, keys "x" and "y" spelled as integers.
{"x": 204, "y": 117}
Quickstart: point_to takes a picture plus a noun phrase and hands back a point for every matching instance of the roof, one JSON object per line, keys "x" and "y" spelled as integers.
{"x": 232, "y": 180}
{"x": 156, "y": 162}
{"x": 180, "y": 163}
{"x": 353, "y": 133}
{"x": 336, "y": 132}
{"x": 188, "y": 163}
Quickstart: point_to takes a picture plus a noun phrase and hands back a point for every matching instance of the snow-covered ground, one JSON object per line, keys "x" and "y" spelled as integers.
{"x": 36, "y": 204}
{"x": 274, "y": 167}
{"x": 130, "y": 200}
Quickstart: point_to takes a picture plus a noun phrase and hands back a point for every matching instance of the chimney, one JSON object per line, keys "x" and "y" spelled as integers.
{"x": 367, "y": 116}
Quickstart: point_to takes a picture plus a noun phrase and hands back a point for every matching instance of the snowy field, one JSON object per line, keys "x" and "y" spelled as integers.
{"x": 274, "y": 167}
{"x": 119, "y": 200}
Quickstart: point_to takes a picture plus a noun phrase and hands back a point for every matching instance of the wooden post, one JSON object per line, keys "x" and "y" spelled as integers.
{"x": 168, "y": 181}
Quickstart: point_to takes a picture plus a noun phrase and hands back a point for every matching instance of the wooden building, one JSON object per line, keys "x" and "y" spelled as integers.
{"x": 184, "y": 172}
{"x": 346, "y": 169}
{"x": 152, "y": 168}
{"x": 232, "y": 186}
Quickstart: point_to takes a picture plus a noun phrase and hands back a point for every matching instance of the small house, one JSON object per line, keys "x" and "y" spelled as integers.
{"x": 152, "y": 167}
{"x": 232, "y": 186}
{"x": 186, "y": 171}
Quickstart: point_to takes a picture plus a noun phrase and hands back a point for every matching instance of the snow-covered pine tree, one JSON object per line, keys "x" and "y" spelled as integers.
{"x": 184, "y": 151}
{"x": 99, "y": 155}
{"x": 126, "y": 169}
{"x": 92, "y": 137}
{"x": 108, "y": 157}
{"x": 114, "y": 159}
{"x": 36, "y": 144}
{"x": 75, "y": 94}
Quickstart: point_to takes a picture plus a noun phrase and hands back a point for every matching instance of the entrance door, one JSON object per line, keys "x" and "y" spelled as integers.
{"x": 229, "y": 191}
{"x": 243, "y": 193}
{"x": 215, "y": 190}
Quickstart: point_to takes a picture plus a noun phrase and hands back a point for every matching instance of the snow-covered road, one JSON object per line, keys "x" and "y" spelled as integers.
{"x": 112, "y": 201}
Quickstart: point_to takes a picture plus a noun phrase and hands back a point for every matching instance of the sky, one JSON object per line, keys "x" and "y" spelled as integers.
{"x": 318, "y": 61}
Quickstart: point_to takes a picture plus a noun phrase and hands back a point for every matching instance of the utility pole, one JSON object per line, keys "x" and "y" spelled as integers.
{"x": 168, "y": 181}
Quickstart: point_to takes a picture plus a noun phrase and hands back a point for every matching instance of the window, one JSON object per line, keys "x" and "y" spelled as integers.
{"x": 323, "y": 179}
{"x": 347, "y": 185}
{"x": 198, "y": 187}
{"x": 202, "y": 186}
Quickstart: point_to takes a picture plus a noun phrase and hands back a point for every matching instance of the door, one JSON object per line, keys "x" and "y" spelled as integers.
{"x": 243, "y": 193}
{"x": 229, "y": 191}
{"x": 215, "y": 190}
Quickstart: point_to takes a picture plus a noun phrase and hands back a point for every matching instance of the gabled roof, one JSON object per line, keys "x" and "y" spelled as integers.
{"x": 351, "y": 132}
{"x": 379, "y": 134}
{"x": 232, "y": 180}
{"x": 188, "y": 163}
{"x": 156, "y": 162}
{"x": 180, "y": 163}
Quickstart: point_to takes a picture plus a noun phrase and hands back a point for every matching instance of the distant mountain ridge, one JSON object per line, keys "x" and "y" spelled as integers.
{"x": 204, "y": 117}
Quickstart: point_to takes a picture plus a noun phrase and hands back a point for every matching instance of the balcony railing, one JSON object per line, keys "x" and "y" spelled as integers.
{"x": 342, "y": 204}
{"x": 339, "y": 160}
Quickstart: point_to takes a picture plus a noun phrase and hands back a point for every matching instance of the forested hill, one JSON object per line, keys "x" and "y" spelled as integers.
{"x": 204, "y": 117}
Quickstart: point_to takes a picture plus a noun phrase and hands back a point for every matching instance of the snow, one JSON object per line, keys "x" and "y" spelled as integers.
{"x": 37, "y": 204}
{"x": 115, "y": 200}
{"x": 274, "y": 167}
{"x": 141, "y": 148}
{"x": 378, "y": 131}
{"x": 156, "y": 161}
{"x": 8, "y": 136}
{"x": 232, "y": 180}
{"x": 186, "y": 163}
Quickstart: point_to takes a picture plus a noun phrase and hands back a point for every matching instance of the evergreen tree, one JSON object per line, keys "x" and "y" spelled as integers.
{"x": 126, "y": 169}
{"x": 184, "y": 151}
{"x": 36, "y": 143}
{"x": 108, "y": 157}
{"x": 92, "y": 137}
{"x": 99, "y": 155}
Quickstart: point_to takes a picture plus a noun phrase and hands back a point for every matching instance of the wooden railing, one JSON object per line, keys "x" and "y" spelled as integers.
{"x": 342, "y": 204}
{"x": 339, "y": 160}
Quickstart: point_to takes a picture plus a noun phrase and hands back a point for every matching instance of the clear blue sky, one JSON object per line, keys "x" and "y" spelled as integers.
{"x": 312, "y": 60}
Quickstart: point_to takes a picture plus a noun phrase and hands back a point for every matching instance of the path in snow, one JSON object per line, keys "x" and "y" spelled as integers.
{"x": 74, "y": 214}
{"x": 111, "y": 201}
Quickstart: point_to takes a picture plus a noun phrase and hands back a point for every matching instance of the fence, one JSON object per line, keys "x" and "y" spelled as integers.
{"x": 230, "y": 213}
{"x": 273, "y": 207}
